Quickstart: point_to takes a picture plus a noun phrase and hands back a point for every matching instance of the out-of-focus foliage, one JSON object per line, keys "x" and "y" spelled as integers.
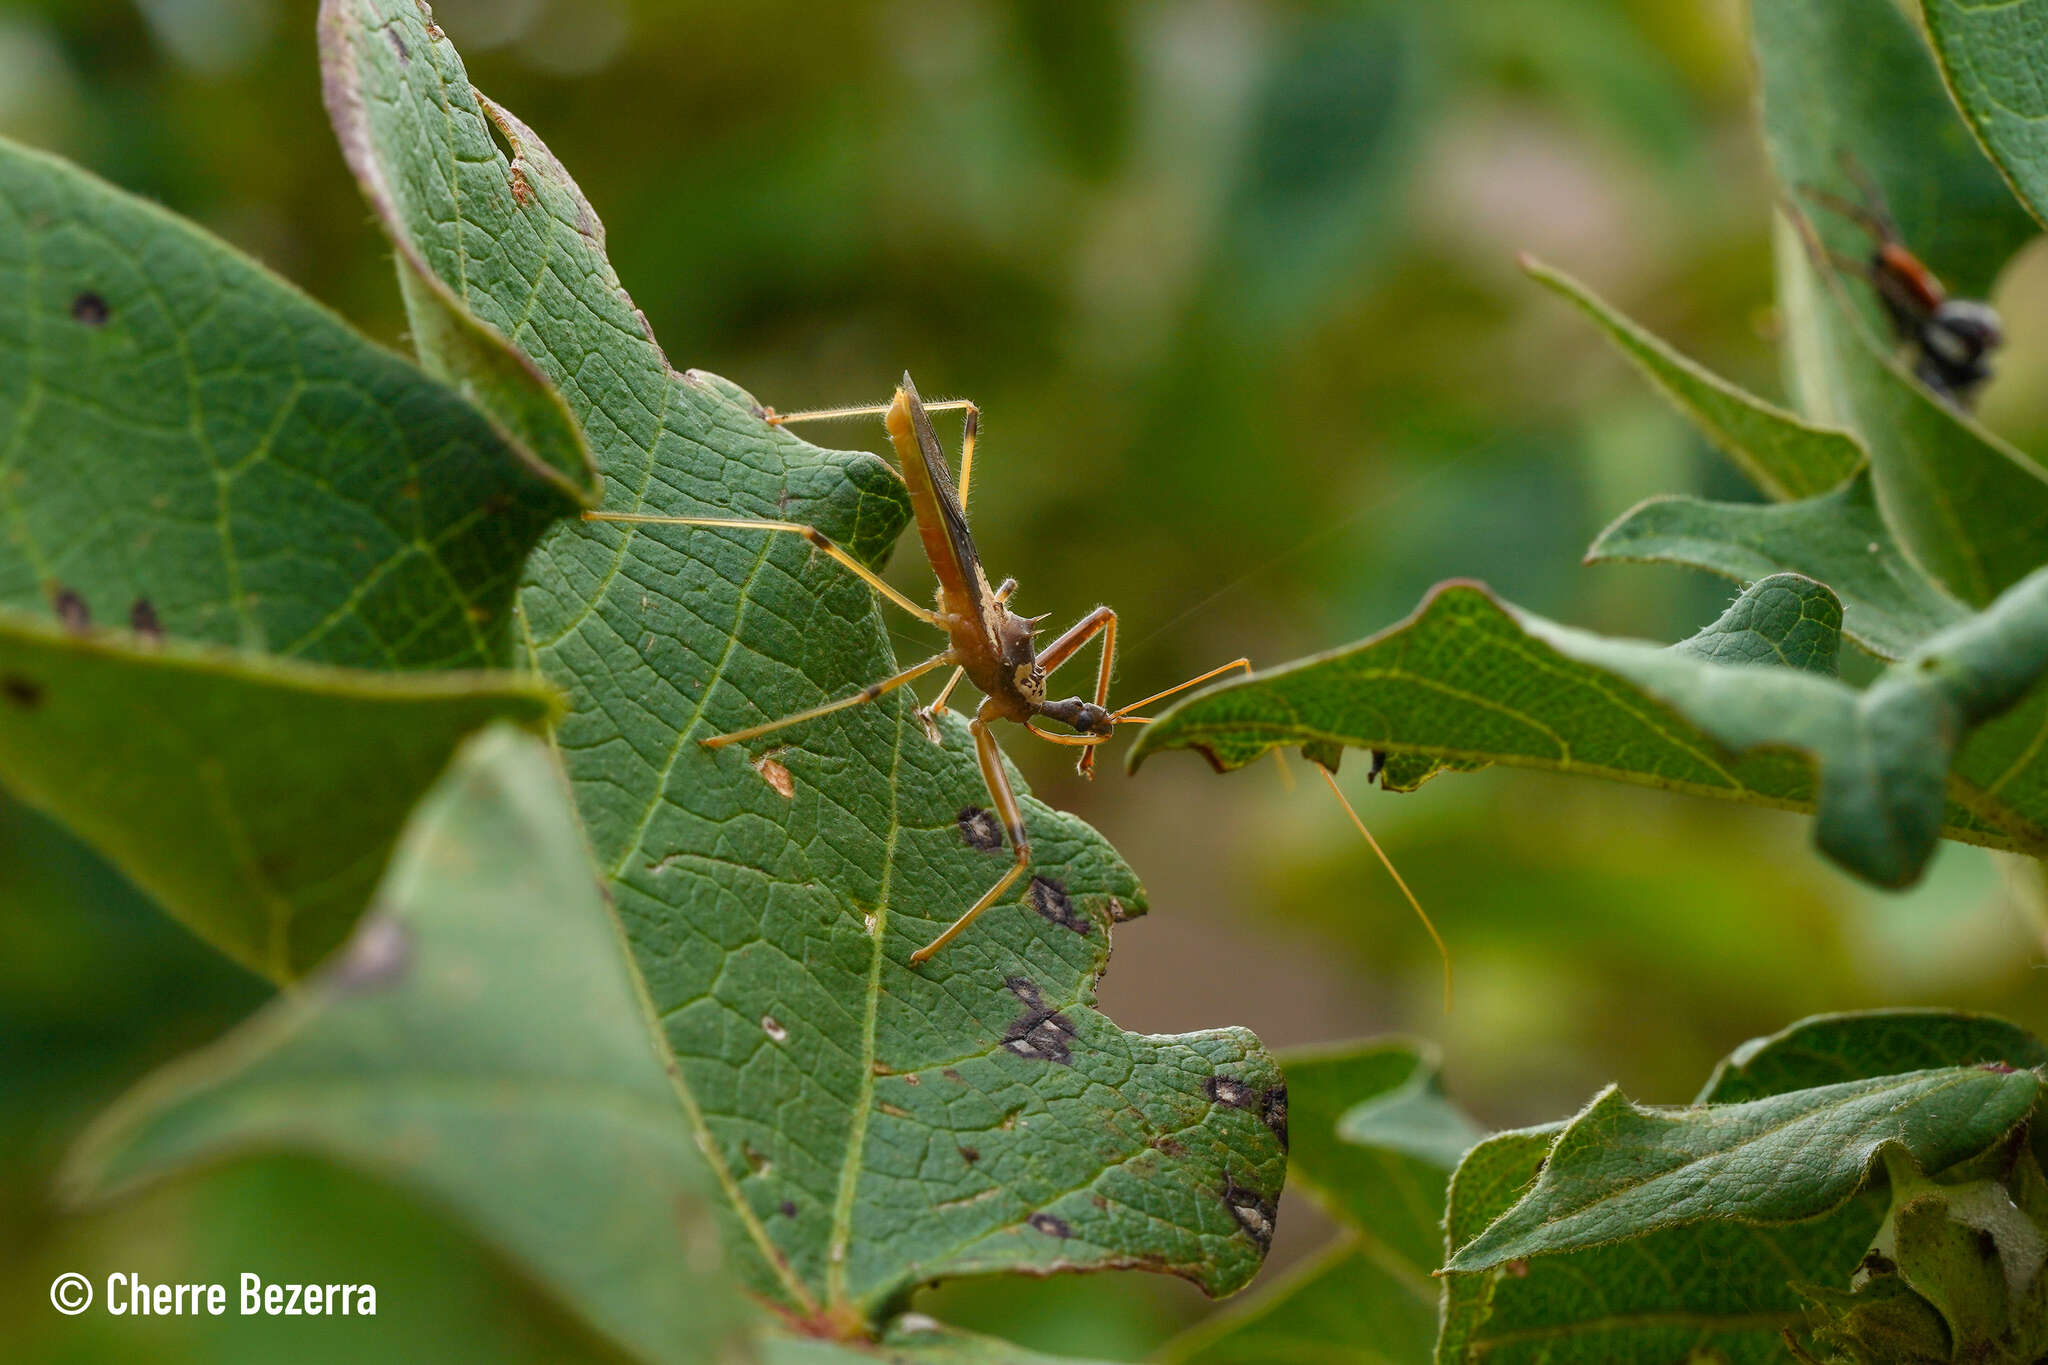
{"x": 1051, "y": 208}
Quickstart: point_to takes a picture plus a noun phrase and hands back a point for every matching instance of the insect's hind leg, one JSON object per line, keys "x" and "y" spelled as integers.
{"x": 871, "y": 692}
{"x": 1012, "y": 816}
{"x": 971, "y": 430}
{"x": 819, "y": 540}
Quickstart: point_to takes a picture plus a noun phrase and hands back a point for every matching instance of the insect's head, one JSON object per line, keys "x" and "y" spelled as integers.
{"x": 1962, "y": 331}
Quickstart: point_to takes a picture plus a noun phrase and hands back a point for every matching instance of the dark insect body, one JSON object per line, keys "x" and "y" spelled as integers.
{"x": 1952, "y": 339}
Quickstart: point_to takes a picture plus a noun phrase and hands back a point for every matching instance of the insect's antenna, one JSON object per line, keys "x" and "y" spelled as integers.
{"x": 1122, "y": 715}
{"x": 1388, "y": 863}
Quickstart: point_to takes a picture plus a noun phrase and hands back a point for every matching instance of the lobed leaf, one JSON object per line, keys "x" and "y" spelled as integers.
{"x": 1708, "y": 1290}
{"x": 192, "y": 443}
{"x": 1991, "y": 57}
{"x": 199, "y": 771}
{"x": 1467, "y": 678}
{"x": 1375, "y": 1140}
{"x": 1620, "y": 1170}
{"x": 1837, "y": 538}
{"x": 1780, "y": 452}
{"x": 871, "y": 1125}
{"x": 484, "y": 1043}
{"x": 1848, "y": 83}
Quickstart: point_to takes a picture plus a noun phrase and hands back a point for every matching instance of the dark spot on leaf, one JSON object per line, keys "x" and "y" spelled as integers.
{"x": 142, "y": 618}
{"x": 1117, "y": 911}
{"x": 1232, "y": 1094}
{"x": 969, "y": 1155}
{"x": 90, "y": 309}
{"x": 1253, "y": 1211}
{"x": 775, "y": 775}
{"x": 1170, "y": 1145}
{"x": 1050, "y": 899}
{"x": 522, "y": 188}
{"x": 21, "y": 691}
{"x": 72, "y": 613}
{"x": 1098, "y": 1201}
{"x": 1876, "y": 1263}
{"x": 981, "y": 829}
{"x": 376, "y": 957}
{"x": 1038, "y": 1033}
{"x": 1518, "y": 1268}
{"x": 1273, "y": 1109}
{"x": 789, "y": 1208}
{"x": 950, "y": 1074}
{"x": 1049, "y": 1225}
{"x": 756, "y": 1162}
{"x": 398, "y": 45}
{"x": 1987, "y": 1245}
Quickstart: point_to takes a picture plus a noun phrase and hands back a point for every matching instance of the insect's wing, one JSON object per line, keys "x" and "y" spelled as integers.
{"x": 941, "y": 521}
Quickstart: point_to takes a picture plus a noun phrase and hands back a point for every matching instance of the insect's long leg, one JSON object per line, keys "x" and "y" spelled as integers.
{"x": 863, "y": 410}
{"x": 860, "y": 698}
{"x": 1865, "y": 216}
{"x": 1122, "y": 715}
{"x": 1873, "y": 197}
{"x": 1012, "y": 816}
{"x": 971, "y": 428}
{"x": 810, "y": 533}
{"x": 1101, "y": 621}
{"x": 1388, "y": 863}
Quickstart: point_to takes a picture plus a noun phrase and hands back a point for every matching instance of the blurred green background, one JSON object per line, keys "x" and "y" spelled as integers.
{"x": 1235, "y": 286}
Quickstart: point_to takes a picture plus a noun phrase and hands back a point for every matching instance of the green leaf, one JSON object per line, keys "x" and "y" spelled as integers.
{"x": 1778, "y": 451}
{"x": 873, "y": 1126}
{"x": 911, "y": 1340}
{"x": 200, "y": 771}
{"x": 1706, "y": 1291}
{"x": 1838, "y": 538}
{"x": 1620, "y": 1170}
{"x": 1341, "y": 1304}
{"x": 1375, "y": 1140}
{"x": 1991, "y": 56}
{"x": 1470, "y": 679}
{"x": 1842, "y": 78}
{"x": 191, "y": 442}
{"x": 484, "y": 1043}
{"x": 1828, "y": 1049}
{"x": 1786, "y": 621}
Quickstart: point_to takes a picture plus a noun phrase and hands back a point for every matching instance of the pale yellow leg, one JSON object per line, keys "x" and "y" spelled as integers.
{"x": 860, "y": 698}
{"x": 811, "y": 533}
{"x": 1012, "y": 816}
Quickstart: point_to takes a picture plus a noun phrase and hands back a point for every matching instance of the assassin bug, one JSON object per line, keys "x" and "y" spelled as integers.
{"x": 1952, "y": 338}
{"x": 988, "y": 643}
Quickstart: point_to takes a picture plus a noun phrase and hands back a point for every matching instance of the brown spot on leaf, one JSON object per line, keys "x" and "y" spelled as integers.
{"x": 1876, "y": 1263}
{"x": 775, "y": 775}
{"x": 969, "y": 1155}
{"x": 89, "y": 308}
{"x": 981, "y": 829}
{"x": 774, "y": 1029}
{"x": 1996, "y": 1068}
{"x": 143, "y": 620}
{"x": 1252, "y": 1210}
{"x": 894, "y": 1111}
{"x": 950, "y": 1074}
{"x": 1050, "y": 899}
{"x": 789, "y": 1208}
{"x": 756, "y": 1162}
{"x": 1518, "y": 1268}
{"x": 72, "y": 613}
{"x": 522, "y": 188}
{"x": 1118, "y": 911}
{"x": 1050, "y": 1225}
{"x": 1273, "y": 1109}
{"x": 398, "y": 46}
{"x": 1170, "y": 1145}
{"x": 1232, "y": 1094}
{"x": 1099, "y": 1201}
{"x": 22, "y": 692}
{"x": 1039, "y": 1033}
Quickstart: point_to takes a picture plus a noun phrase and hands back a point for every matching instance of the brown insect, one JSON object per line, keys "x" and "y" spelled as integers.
{"x": 1952, "y": 338}
{"x": 989, "y": 644}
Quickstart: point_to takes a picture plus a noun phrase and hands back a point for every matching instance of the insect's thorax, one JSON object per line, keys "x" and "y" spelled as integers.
{"x": 996, "y": 648}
